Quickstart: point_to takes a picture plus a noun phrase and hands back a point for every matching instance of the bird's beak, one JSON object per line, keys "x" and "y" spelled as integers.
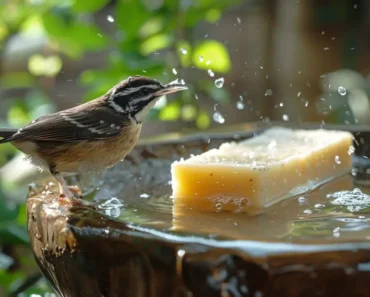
{"x": 170, "y": 88}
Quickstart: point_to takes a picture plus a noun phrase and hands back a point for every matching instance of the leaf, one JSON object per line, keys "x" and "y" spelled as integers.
{"x": 155, "y": 43}
{"x": 88, "y": 5}
{"x": 203, "y": 120}
{"x": 215, "y": 52}
{"x": 44, "y": 66}
{"x": 152, "y": 26}
{"x": 88, "y": 35}
{"x": 188, "y": 112}
{"x": 131, "y": 15}
{"x": 170, "y": 113}
{"x": 213, "y": 15}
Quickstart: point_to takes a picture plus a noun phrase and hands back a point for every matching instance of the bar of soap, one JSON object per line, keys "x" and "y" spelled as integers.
{"x": 254, "y": 174}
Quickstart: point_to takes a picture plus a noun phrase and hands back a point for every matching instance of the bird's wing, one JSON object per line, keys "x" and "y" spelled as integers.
{"x": 74, "y": 125}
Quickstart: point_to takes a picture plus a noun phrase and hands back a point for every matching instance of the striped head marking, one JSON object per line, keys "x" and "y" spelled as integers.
{"x": 137, "y": 94}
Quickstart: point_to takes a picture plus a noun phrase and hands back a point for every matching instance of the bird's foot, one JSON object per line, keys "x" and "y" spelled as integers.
{"x": 76, "y": 191}
{"x": 72, "y": 195}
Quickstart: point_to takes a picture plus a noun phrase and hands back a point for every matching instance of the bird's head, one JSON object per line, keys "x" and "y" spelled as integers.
{"x": 137, "y": 94}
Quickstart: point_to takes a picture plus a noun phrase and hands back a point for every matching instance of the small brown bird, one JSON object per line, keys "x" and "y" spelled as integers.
{"x": 91, "y": 136}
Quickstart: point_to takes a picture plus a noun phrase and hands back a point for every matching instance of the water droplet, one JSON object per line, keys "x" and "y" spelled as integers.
{"x": 144, "y": 195}
{"x": 337, "y": 160}
{"x": 351, "y": 150}
{"x": 285, "y": 117}
{"x": 218, "y": 118}
{"x": 299, "y": 94}
{"x": 306, "y": 103}
{"x": 183, "y": 51}
{"x": 208, "y": 62}
{"x": 110, "y": 19}
{"x": 239, "y": 20}
{"x": 174, "y": 71}
{"x": 281, "y": 104}
{"x": 336, "y": 232}
{"x": 319, "y": 205}
{"x": 342, "y": 90}
{"x": 201, "y": 59}
{"x": 354, "y": 171}
{"x": 210, "y": 73}
{"x": 302, "y": 200}
{"x": 326, "y": 48}
{"x": 268, "y": 92}
{"x": 240, "y": 105}
{"x": 219, "y": 83}
{"x": 307, "y": 211}
{"x": 181, "y": 253}
{"x": 196, "y": 96}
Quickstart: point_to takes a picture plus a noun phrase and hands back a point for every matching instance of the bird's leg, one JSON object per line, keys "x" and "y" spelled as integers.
{"x": 66, "y": 192}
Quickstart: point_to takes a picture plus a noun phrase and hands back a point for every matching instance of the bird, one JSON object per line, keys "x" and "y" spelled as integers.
{"x": 90, "y": 136}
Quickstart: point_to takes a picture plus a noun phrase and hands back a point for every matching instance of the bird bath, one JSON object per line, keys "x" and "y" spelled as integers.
{"x": 131, "y": 244}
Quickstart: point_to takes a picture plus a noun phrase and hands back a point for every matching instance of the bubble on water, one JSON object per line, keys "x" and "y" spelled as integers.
{"x": 183, "y": 51}
{"x": 337, "y": 160}
{"x": 110, "y": 18}
{"x": 285, "y": 117}
{"x": 174, "y": 71}
{"x": 307, "y": 211}
{"x": 281, "y": 104}
{"x": 336, "y": 232}
{"x": 268, "y": 92}
{"x": 219, "y": 83}
{"x": 326, "y": 48}
{"x": 218, "y": 206}
{"x": 240, "y": 105}
{"x": 218, "y": 118}
{"x": 210, "y": 73}
{"x": 354, "y": 200}
{"x": 201, "y": 59}
{"x": 342, "y": 90}
{"x": 354, "y": 171}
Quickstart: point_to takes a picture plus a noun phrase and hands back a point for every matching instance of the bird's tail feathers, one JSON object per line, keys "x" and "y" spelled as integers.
{"x": 7, "y": 134}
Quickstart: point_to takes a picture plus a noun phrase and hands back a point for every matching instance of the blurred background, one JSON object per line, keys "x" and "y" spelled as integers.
{"x": 243, "y": 60}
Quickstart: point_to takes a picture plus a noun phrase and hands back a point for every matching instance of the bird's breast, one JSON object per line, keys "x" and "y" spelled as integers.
{"x": 97, "y": 155}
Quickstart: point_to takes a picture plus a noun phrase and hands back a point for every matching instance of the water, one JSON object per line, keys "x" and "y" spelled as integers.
{"x": 240, "y": 105}
{"x": 342, "y": 90}
{"x": 337, "y": 211}
{"x": 218, "y": 118}
{"x": 219, "y": 83}
{"x": 210, "y": 73}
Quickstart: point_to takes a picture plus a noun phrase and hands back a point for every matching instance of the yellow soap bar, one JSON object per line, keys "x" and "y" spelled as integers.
{"x": 255, "y": 173}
